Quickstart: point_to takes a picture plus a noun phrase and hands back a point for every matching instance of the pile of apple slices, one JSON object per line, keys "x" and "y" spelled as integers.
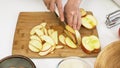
{"x": 45, "y": 41}
{"x": 88, "y": 20}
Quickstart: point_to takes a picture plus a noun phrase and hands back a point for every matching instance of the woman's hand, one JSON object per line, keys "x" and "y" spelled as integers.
{"x": 51, "y": 6}
{"x": 72, "y": 14}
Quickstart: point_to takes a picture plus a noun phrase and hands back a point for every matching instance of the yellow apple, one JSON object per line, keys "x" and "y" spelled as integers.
{"x": 89, "y": 21}
{"x": 90, "y": 44}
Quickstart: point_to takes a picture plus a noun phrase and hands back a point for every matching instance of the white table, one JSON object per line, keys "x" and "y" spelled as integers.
{"x": 9, "y": 11}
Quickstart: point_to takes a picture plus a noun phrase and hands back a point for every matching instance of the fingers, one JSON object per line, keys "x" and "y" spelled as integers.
{"x": 75, "y": 21}
{"x": 79, "y": 21}
{"x": 69, "y": 19}
{"x": 60, "y": 9}
{"x": 52, "y": 5}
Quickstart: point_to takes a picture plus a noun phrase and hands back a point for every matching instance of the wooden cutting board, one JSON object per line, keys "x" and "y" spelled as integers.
{"x": 109, "y": 57}
{"x": 27, "y": 20}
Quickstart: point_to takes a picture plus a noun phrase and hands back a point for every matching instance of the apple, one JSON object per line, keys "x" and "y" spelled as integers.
{"x": 32, "y": 32}
{"x": 46, "y": 46}
{"x": 90, "y": 44}
{"x": 54, "y": 36}
{"x": 89, "y": 21}
{"x": 35, "y": 45}
{"x": 70, "y": 43}
{"x": 78, "y": 37}
{"x": 32, "y": 48}
{"x": 70, "y": 29}
{"x": 59, "y": 47}
{"x": 70, "y": 35}
{"x": 83, "y": 12}
{"x": 35, "y": 37}
{"x": 62, "y": 39}
{"x": 48, "y": 39}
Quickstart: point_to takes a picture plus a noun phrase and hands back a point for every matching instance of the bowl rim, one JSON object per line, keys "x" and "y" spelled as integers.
{"x": 18, "y": 56}
{"x": 73, "y": 57}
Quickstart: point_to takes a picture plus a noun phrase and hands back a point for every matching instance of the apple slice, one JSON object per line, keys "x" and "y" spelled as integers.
{"x": 90, "y": 43}
{"x": 70, "y": 29}
{"x": 62, "y": 39}
{"x": 70, "y": 43}
{"x": 36, "y": 44}
{"x": 72, "y": 36}
{"x": 89, "y": 21}
{"x": 32, "y": 48}
{"x": 59, "y": 47}
{"x": 50, "y": 31}
{"x": 83, "y": 12}
{"x": 48, "y": 39}
{"x": 39, "y": 32}
{"x": 34, "y": 37}
{"x": 54, "y": 36}
{"x": 46, "y": 46}
{"x": 32, "y": 32}
{"x": 45, "y": 31}
{"x": 43, "y": 53}
{"x": 78, "y": 37}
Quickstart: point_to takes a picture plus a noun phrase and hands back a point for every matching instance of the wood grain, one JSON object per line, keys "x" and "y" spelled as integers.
{"x": 109, "y": 57}
{"x": 27, "y": 20}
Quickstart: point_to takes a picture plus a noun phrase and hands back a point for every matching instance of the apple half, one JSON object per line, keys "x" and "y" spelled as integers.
{"x": 89, "y": 21}
{"x": 90, "y": 44}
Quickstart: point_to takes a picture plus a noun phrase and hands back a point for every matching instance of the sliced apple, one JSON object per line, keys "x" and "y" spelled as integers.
{"x": 32, "y": 32}
{"x": 70, "y": 29}
{"x": 70, "y": 43}
{"x": 36, "y": 44}
{"x": 72, "y": 36}
{"x": 45, "y": 31}
{"x": 43, "y": 53}
{"x": 34, "y": 37}
{"x": 50, "y": 31}
{"x": 89, "y": 21}
{"x": 46, "y": 46}
{"x": 90, "y": 43}
{"x": 39, "y": 32}
{"x": 48, "y": 39}
{"x": 32, "y": 48}
{"x": 59, "y": 47}
{"x": 54, "y": 36}
{"x": 78, "y": 37}
{"x": 62, "y": 39}
{"x": 83, "y": 12}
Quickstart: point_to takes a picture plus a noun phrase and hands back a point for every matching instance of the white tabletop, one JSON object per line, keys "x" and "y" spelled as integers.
{"x": 9, "y": 11}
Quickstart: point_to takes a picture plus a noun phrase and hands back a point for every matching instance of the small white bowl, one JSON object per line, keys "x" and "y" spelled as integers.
{"x": 73, "y": 62}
